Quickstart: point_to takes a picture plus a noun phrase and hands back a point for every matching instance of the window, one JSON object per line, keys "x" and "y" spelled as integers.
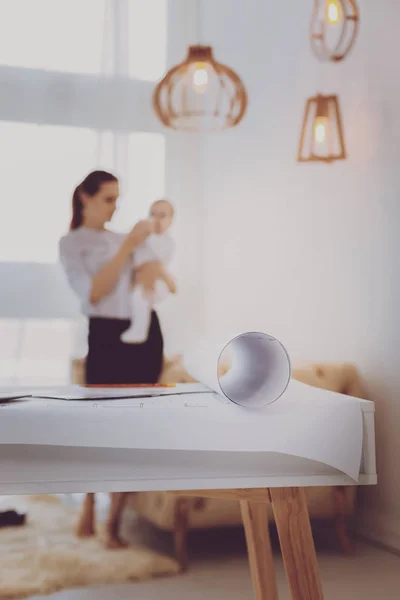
{"x": 54, "y": 35}
{"x": 145, "y": 178}
{"x": 77, "y": 36}
{"x": 39, "y": 167}
{"x": 35, "y": 351}
{"x": 73, "y": 73}
{"x": 147, "y": 39}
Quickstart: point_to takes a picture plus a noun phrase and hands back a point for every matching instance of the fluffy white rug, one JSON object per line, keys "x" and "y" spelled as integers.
{"x": 44, "y": 556}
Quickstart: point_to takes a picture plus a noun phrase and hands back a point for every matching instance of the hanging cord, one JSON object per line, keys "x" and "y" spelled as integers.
{"x": 198, "y": 22}
{"x": 322, "y": 77}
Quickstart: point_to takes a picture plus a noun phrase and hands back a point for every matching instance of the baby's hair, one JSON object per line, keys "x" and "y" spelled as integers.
{"x": 172, "y": 209}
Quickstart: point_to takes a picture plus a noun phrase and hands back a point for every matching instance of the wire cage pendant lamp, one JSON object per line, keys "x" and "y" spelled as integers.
{"x": 200, "y": 94}
{"x": 334, "y": 28}
{"x": 322, "y": 138}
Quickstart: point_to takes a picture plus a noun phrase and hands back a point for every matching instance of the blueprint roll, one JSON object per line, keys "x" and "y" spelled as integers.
{"x": 251, "y": 369}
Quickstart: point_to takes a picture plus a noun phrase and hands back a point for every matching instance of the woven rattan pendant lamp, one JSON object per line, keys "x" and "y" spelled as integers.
{"x": 200, "y": 94}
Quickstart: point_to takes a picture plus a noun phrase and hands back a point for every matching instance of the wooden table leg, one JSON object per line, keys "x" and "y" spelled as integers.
{"x": 297, "y": 544}
{"x": 255, "y": 521}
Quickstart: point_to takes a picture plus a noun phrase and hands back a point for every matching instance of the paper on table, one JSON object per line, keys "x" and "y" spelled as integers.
{"x": 258, "y": 371}
{"x": 79, "y": 393}
{"x": 306, "y": 422}
{"x": 9, "y": 396}
{"x": 319, "y": 424}
{"x": 14, "y": 392}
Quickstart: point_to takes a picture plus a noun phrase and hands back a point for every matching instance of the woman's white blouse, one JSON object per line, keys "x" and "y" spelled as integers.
{"x": 83, "y": 252}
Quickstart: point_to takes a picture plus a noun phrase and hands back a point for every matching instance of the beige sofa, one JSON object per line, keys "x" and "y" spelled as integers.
{"x": 180, "y": 514}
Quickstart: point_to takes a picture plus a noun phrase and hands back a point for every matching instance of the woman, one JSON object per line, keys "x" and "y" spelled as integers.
{"x": 98, "y": 265}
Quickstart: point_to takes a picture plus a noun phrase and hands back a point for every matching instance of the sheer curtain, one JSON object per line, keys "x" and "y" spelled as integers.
{"x": 76, "y": 79}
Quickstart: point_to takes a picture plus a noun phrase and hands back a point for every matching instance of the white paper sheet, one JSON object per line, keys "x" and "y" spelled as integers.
{"x": 10, "y": 396}
{"x": 306, "y": 422}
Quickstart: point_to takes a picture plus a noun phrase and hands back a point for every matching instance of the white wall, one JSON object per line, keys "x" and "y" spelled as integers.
{"x": 310, "y": 253}
{"x": 182, "y": 315}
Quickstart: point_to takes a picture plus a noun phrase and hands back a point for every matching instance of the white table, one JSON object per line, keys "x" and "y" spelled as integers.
{"x": 38, "y": 456}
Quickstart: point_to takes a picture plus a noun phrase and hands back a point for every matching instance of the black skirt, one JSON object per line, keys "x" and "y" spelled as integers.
{"x": 111, "y": 361}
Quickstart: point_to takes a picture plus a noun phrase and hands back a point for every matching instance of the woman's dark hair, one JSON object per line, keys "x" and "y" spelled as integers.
{"x": 90, "y": 186}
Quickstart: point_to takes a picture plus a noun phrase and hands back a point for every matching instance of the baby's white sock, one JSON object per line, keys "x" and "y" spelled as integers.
{"x": 141, "y": 307}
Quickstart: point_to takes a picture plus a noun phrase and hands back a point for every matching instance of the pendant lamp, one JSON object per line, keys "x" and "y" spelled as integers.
{"x": 334, "y": 28}
{"x": 322, "y": 138}
{"x": 200, "y": 94}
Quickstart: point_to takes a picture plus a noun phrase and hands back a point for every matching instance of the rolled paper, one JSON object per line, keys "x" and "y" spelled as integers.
{"x": 251, "y": 369}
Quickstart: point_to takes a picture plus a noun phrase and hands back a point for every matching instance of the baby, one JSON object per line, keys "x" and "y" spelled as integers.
{"x": 158, "y": 246}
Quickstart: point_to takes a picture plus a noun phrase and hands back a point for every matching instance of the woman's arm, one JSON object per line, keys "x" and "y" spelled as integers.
{"x": 93, "y": 289}
{"x": 105, "y": 280}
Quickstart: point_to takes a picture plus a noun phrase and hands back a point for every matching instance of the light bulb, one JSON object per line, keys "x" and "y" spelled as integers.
{"x": 320, "y": 127}
{"x": 333, "y": 11}
{"x": 200, "y": 78}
